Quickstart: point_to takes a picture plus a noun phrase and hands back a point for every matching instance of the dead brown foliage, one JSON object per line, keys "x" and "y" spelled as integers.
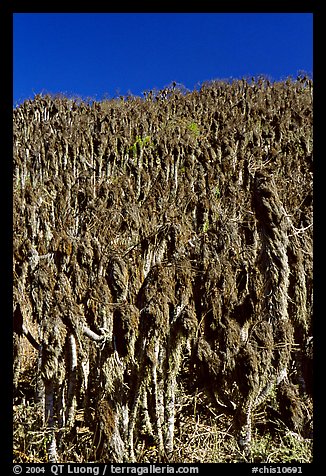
{"x": 162, "y": 240}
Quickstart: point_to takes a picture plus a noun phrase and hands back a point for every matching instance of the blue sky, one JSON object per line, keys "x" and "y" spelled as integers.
{"x": 96, "y": 55}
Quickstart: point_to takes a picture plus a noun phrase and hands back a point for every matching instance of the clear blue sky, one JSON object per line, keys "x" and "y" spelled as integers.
{"x": 107, "y": 54}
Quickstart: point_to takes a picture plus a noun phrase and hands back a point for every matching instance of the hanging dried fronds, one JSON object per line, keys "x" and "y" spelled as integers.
{"x": 160, "y": 236}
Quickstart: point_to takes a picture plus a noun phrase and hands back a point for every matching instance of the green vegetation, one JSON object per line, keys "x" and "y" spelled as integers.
{"x": 193, "y": 127}
{"x": 217, "y": 192}
{"x": 140, "y": 143}
{"x": 205, "y": 226}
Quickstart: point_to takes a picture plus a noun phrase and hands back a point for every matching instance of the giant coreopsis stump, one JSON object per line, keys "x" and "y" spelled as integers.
{"x": 162, "y": 240}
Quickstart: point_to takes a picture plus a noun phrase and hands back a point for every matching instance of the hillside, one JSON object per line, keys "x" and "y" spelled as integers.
{"x": 163, "y": 275}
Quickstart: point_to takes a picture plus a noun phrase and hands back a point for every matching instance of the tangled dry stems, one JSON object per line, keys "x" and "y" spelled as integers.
{"x": 201, "y": 436}
{"x": 158, "y": 239}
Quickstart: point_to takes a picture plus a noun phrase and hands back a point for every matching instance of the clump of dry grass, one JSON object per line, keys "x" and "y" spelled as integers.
{"x": 202, "y": 436}
{"x": 28, "y": 436}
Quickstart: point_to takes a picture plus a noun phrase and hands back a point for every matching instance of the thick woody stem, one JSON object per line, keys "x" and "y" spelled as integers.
{"x": 49, "y": 418}
{"x": 71, "y": 404}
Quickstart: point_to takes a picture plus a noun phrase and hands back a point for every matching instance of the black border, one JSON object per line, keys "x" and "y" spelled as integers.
{"x": 6, "y": 236}
{"x": 222, "y": 6}
{"x": 7, "y": 9}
